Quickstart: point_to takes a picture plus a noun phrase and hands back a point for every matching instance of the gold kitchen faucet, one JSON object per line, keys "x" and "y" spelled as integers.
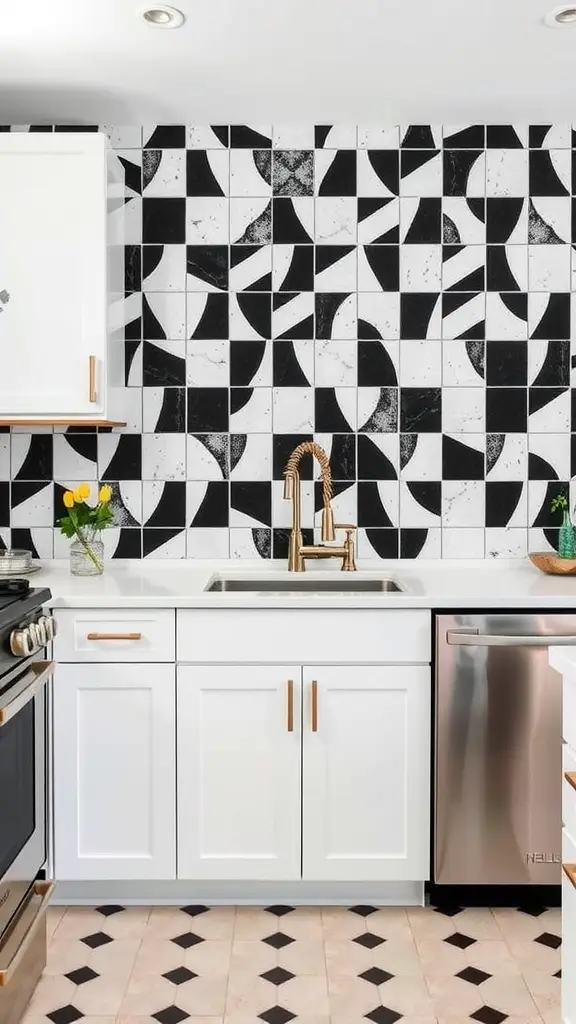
{"x": 298, "y": 552}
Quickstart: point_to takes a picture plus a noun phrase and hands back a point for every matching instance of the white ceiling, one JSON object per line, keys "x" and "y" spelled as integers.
{"x": 291, "y": 61}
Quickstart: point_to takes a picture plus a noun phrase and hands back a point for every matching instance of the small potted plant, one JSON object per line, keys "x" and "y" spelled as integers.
{"x": 566, "y": 538}
{"x": 83, "y": 522}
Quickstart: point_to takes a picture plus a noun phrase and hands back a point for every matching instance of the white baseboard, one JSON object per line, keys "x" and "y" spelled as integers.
{"x": 380, "y": 894}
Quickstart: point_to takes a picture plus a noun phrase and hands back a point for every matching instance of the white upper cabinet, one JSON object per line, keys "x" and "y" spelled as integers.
{"x": 56, "y": 194}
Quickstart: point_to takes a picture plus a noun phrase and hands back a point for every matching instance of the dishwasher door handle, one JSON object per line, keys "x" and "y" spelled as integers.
{"x": 472, "y": 638}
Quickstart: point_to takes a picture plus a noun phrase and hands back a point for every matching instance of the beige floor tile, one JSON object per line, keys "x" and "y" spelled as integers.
{"x": 306, "y": 995}
{"x": 351, "y": 996}
{"x": 100, "y": 997}
{"x": 408, "y": 996}
{"x": 341, "y": 923}
{"x": 248, "y": 993}
{"x": 509, "y": 995}
{"x": 477, "y": 923}
{"x": 390, "y": 923}
{"x": 146, "y": 994}
{"x": 522, "y": 927}
{"x": 167, "y": 922}
{"x": 202, "y": 996}
{"x": 493, "y": 957}
{"x": 439, "y": 957}
{"x": 544, "y": 989}
{"x": 30, "y": 1018}
{"x": 80, "y": 921}
{"x": 253, "y": 923}
{"x": 65, "y": 955}
{"x": 51, "y": 992}
{"x": 552, "y": 1016}
{"x": 303, "y": 957}
{"x": 347, "y": 958}
{"x": 53, "y": 918}
{"x": 152, "y": 1020}
{"x": 509, "y": 1020}
{"x": 155, "y": 956}
{"x": 453, "y": 997}
{"x": 303, "y": 923}
{"x": 533, "y": 956}
{"x": 398, "y": 957}
{"x": 211, "y": 958}
{"x": 116, "y": 959}
{"x": 250, "y": 956}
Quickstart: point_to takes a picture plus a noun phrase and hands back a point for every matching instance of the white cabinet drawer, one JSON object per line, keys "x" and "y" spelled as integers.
{"x": 299, "y": 635}
{"x": 115, "y": 634}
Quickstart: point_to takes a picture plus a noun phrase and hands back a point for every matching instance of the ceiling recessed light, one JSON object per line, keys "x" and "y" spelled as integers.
{"x": 162, "y": 16}
{"x": 561, "y": 16}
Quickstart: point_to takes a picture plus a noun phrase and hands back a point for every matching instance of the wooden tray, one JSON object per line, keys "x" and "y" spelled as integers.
{"x": 551, "y": 563}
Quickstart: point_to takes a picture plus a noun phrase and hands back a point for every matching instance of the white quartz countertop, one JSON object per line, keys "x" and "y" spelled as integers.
{"x": 428, "y": 584}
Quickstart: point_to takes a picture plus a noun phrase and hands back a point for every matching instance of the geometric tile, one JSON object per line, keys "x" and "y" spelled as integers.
{"x": 376, "y": 975}
{"x": 170, "y": 1015}
{"x": 278, "y": 940}
{"x": 558, "y": 974}
{"x": 179, "y": 975}
{"x": 277, "y": 976}
{"x": 187, "y": 940}
{"x": 486, "y": 1015}
{"x": 195, "y": 910}
{"x": 107, "y": 911}
{"x": 533, "y": 910}
{"x": 447, "y": 911}
{"x": 368, "y": 940}
{"x": 382, "y": 1015}
{"x": 363, "y": 911}
{"x": 280, "y": 911}
{"x": 473, "y": 975}
{"x": 81, "y": 975}
{"x": 459, "y": 940}
{"x": 97, "y": 939}
{"x": 546, "y": 939}
{"x": 277, "y": 1015}
{"x": 65, "y": 1015}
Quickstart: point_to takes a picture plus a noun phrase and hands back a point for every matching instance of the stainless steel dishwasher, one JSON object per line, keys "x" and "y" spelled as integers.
{"x": 498, "y": 749}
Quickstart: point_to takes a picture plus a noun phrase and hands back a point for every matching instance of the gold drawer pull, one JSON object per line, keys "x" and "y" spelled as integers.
{"x": 114, "y": 636}
{"x": 570, "y": 872}
{"x": 314, "y": 705}
{"x": 570, "y": 779}
{"x": 290, "y": 705}
{"x": 92, "y": 378}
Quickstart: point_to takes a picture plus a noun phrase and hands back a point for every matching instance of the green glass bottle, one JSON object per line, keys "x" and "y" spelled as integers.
{"x": 566, "y": 538}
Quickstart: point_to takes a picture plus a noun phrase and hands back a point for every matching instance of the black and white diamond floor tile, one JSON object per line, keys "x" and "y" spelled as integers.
{"x": 279, "y": 963}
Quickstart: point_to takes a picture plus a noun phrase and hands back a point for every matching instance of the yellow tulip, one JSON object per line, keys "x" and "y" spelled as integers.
{"x": 77, "y": 495}
{"x": 84, "y": 490}
{"x": 105, "y": 494}
{"x": 68, "y": 499}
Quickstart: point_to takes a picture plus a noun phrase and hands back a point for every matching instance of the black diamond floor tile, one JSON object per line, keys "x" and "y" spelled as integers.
{"x": 487, "y": 1015}
{"x": 81, "y": 975}
{"x": 187, "y": 940}
{"x": 110, "y": 909}
{"x": 547, "y": 939}
{"x": 362, "y": 910}
{"x": 473, "y": 975}
{"x": 65, "y": 1015}
{"x": 279, "y": 910}
{"x": 96, "y": 940}
{"x": 195, "y": 909}
{"x": 558, "y": 974}
{"x": 460, "y": 941}
{"x": 533, "y": 909}
{"x": 179, "y": 975}
{"x": 369, "y": 940}
{"x": 376, "y": 975}
{"x": 277, "y": 976}
{"x": 278, "y": 940}
{"x": 382, "y": 1015}
{"x": 171, "y": 1015}
{"x": 448, "y": 911}
{"x": 277, "y": 1015}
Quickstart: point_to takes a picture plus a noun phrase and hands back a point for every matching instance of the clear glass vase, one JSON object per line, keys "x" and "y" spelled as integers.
{"x": 87, "y": 555}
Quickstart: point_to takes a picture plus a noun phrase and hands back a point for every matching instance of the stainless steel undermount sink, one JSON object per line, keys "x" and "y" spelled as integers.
{"x": 303, "y": 585}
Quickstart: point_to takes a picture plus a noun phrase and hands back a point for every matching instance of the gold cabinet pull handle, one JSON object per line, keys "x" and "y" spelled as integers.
{"x": 114, "y": 636}
{"x": 314, "y": 705}
{"x": 290, "y": 725}
{"x": 570, "y": 779}
{"x": 92, "y": 377}
{"x": 570, "y": 872}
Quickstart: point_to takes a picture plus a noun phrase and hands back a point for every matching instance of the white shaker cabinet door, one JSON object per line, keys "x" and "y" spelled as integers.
{"x": 366, "y": 775}
{"x": 569, "y": 946}
{"x": 53, "y": 318}
{"x": 114, "y": 772}
{"x": 239, "y": 770}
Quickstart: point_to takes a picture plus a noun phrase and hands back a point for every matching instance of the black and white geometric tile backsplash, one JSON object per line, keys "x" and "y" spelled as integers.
{"x": 401, "y": 294}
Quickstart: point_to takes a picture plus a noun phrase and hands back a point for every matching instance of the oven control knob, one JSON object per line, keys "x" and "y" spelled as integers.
{"x": 39, "y": 630}
{"x": 48, "y": 624}
{"x": 22, "y": 643}
{"x": 52, "y": 626}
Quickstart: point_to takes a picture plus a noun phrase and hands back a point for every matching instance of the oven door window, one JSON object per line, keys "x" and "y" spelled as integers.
{"x": 17, "y": 784}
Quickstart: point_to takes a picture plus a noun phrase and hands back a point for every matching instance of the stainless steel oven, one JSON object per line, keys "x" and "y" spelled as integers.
{"x": 23, "y": 704}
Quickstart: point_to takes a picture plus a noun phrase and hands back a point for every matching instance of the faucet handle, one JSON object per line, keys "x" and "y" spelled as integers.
{"x": 348, "y": 527}
{"x": 349, "y": 560}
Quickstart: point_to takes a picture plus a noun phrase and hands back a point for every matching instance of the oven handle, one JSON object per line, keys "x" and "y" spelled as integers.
{"x": 472, "y": 638}
{"x": 44, "y": 890}
{"x": 36, "y": 677}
